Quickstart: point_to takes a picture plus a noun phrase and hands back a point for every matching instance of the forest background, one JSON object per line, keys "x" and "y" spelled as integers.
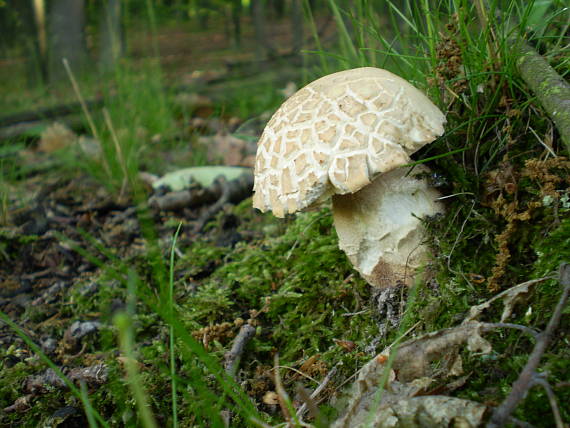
{"x": 120, "y": 307}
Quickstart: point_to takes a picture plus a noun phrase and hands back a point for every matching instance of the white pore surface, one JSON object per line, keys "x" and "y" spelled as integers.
{"x": 380, "y": 228}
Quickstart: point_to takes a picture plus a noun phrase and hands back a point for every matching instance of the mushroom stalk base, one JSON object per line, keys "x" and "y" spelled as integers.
{"x": 380, "y": 227}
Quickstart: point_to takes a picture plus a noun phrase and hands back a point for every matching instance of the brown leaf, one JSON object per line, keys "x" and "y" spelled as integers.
{"x": 347, "y": 345}
{"x": 56, "y": 137}
{"x": 271, "y": 397}
{"x": 22, "y": 404}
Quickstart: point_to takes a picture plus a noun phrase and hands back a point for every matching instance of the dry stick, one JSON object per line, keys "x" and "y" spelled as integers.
{"x": 528, "y": 377}
{"x": 230, "y": 192}
{"x": 491, "y": 326}
{"x": 309, "y": 403}
{"x": 552, "y": 399}
{"x": 233, "y": 357}
{"x": 551, "y": 89}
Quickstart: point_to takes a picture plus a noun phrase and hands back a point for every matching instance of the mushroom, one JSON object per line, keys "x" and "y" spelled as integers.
{"x": 344, "y": 136}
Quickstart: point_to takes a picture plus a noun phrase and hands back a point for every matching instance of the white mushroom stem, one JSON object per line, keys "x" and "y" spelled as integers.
{"x": 380, "y": 227}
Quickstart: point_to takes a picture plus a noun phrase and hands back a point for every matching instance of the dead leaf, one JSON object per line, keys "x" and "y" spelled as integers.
{"x": 308, "y": 364}
{"x": 229, "y": 149}
{"x": 419, "y": 412}
{"x": 127, "y": 360}
{"x": 79, "y": 329}
{"x": 56, "y": 137}
{"x": 347, "y": 345}
{"x": 289, "y": 89}
{"x": 510, "y": 297}
{"x": 90, "y": 147}
{"x": 270, "y": 397}
{"x": 456, "y": 368}
{"x": 414, "y": 356}
{"x": 42, "y": 383}
{"x": 410, "y": 374}
{"x": 205, "y": 176}
{"x": 22, "y": 404}
{"x": 92, "y": 375}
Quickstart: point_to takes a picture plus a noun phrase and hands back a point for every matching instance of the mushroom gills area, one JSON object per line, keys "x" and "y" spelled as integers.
{"x": 380, "y": 228}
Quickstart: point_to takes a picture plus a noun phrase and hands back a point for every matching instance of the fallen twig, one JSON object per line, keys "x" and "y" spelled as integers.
{"x": 233, "y": 357}
{"x": 529, "y": 377}
{"x": 230, "y": 191}
{"x": 220, "y": 192}
{"x": 308, "y": 402}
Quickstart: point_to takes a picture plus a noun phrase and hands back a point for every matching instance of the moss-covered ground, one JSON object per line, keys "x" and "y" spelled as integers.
{"x": 72, "y": 249}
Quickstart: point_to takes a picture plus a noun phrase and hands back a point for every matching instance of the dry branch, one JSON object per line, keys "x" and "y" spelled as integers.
{"x": 229, "y": 192}
{"x": 221, "y": 191}
{"x": 53, "y": 112}
{"x": 529, "y": 376}
{"x": 233, "y": 357}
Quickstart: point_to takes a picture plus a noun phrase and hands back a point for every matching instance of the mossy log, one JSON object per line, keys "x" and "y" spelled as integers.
{"x": 551, "y": 89}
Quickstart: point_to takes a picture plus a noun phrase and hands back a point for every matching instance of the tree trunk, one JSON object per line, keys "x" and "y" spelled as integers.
{"x": 203, "y": 14}
{"x": 66, "y": 37}
{"x": 30, "y": 17}
{"x": 111, "y": 36}
{"x": 40, "y": 19}
{"x": 278, "y": 6}
{"x": 297, "y": 25}
{"x": 236, "y": 21}
{"x": 258, "y": 12}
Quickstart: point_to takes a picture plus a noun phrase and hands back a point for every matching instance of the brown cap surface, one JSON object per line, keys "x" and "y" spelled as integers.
{"x": 336, "y": 134}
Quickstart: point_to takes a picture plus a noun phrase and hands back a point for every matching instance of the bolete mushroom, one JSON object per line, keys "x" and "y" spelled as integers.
{"x": 340, "y": 136}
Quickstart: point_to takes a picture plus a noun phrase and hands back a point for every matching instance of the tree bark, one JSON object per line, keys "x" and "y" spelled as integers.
{"x": 111, "y": 35}
{"x": 29, "y": 16}
{"x": 40, "y": 20}
{"x": 297, "y": 25}
{"x": 258, "y": 12}
{"x": 236, "y": 10}
{"x": 66, "y": 37}
{"x": 552, "y": 91}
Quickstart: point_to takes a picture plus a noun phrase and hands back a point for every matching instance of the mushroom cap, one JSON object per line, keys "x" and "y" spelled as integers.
{"x": 335, "y": 135}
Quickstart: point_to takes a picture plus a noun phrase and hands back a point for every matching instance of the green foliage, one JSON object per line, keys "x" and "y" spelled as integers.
{"x": 300, "y": 281}
{"x": 136, "y": 111}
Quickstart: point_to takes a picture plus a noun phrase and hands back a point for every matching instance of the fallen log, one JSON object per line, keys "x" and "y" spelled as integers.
{"x": 53, "y": 112}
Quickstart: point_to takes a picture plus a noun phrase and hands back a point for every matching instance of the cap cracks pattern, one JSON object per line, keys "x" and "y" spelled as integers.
{"x": 336, "y": 134}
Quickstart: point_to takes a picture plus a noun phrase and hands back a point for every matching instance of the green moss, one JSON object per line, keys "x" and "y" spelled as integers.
{"x": 307, "y": 282}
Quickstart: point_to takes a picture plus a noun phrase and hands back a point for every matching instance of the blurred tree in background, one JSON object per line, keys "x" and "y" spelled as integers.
{"x": 40, "y": 33}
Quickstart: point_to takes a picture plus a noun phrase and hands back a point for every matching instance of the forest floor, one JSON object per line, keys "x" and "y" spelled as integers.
{"x": 74, "y": 243}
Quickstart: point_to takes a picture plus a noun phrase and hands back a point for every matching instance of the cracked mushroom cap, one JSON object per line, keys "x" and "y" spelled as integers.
{"x": 336, "y": 134}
